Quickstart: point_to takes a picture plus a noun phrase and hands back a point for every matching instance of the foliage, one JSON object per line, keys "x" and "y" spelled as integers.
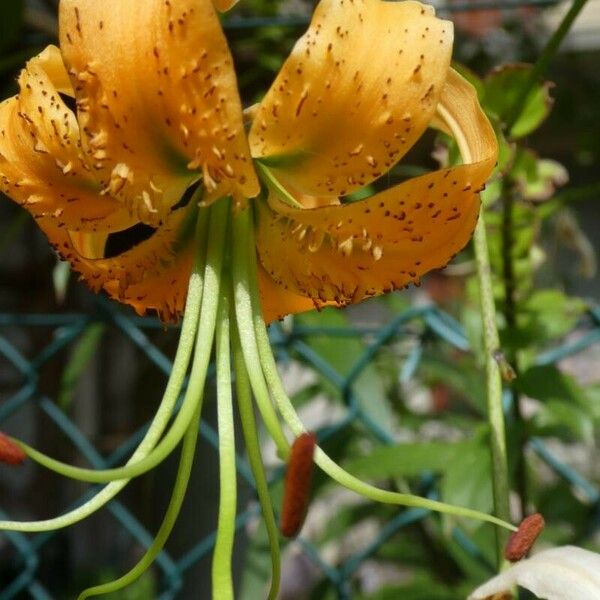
{"x": 425, "y": 399}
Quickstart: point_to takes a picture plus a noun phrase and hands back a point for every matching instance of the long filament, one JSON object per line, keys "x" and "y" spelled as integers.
{"x": 329, "y": 466}
{"x": 160, "y": 421}
{"x": 243, "y": 310}
{"x": 205, "y": 333}
{"x": 251, "y": 440}
{"x": 222, "y": 582}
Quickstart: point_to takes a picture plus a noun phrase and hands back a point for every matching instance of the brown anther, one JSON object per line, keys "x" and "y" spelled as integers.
{"x": 521, "y": 541}
{"x": 10, "y": 453}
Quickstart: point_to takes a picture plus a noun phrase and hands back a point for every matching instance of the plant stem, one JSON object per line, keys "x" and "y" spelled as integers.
{"x": 544, "y": 61}
{"x": 222, "y": 581}
{"x": 491, "y": 340}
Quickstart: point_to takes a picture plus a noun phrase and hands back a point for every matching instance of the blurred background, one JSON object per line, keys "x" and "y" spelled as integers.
{"x": 394, "y": 386}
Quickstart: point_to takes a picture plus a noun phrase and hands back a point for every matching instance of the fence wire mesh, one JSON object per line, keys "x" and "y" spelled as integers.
{"x": 67, "y": 328}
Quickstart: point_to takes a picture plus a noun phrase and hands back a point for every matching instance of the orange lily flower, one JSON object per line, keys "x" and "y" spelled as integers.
{"x": 157, "y": 117}
{"x": 120, "y": 139}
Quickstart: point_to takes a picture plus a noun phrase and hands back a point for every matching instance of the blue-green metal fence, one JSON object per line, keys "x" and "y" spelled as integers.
{"x": 288, "y": 342}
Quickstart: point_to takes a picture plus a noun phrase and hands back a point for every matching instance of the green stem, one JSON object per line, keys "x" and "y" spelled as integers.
{"x": 160, "y": 421}
{"x": 244, "y": 400}
{"x": 205, "y": 334}
{"x": 500, "y": 482}
{"x": 244, "y": 252}
{"x": 188, "y": 451}
{"x": 544, "y": 61}
{"x": 222, "y": 582}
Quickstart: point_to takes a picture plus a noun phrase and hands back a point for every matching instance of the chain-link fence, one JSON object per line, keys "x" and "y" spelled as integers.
{"x": 67, "y": 328}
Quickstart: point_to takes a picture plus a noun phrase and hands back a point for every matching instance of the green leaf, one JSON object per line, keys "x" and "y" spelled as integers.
{"x": 407, "y": 459}
{"x": 502, "y": 89}
{"x": 546, "y": 383}
{"x": 537, "y": 179}
{"x": 553, "y": 313}
{"x": 468, "y": 478}
{"x": 564, "y": 419}
{"x": 342, "y": 355}
{"x": 421, "y": 587}
{"x": 77, "y": 363}
{"x": 11, "y": 21}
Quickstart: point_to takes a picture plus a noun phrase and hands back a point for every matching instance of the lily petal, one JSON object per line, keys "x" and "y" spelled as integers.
{"x": 561, "y": 573}
{"x": 224, "y": 5}
{"x": 41, "y": 163}
{"x": 348, "y": 252}
{"x": 152, "y": 275}
{"x": 343, "y": 109}
{"x": 155, "y": 105}
{"x": 277, "y": 302}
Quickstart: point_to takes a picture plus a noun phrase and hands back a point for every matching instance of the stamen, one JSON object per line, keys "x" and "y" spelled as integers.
{"x": 259, "y": 338}
{"x": 222, "y": 582}
{"x": 165, "y": 410}
{"x": 10, "y": 452}
{"x": 521, "y": 542}
{"x": 298, "y": 480}
{"x": 252, "y": 443}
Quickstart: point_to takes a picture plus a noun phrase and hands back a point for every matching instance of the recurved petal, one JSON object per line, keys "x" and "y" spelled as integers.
{"x": 41, "y": 163}
{"x": 348, "y": 252}
{"x": 152, "y": 275}
{"x": 156, "y": 96}
{"x": 224, "y": 5}
{"x": 357, "y": 91}
{"x": 276, "y": 301}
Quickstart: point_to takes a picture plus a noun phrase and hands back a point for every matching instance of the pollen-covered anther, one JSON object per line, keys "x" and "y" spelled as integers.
{"x": 10, "y": 453}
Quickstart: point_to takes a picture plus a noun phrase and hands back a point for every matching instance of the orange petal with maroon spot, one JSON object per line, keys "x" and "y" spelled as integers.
{"x": 276, "y": 301}
{"x": 153, "y": 274}
{"x": 42, "y": 166}
{"x": 346, "y": 253}
{"x": 160, "y": 107}
{"x": 357, "y": 91}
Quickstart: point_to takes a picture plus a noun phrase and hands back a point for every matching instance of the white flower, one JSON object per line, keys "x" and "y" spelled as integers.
{"x": 565, "y": 573}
